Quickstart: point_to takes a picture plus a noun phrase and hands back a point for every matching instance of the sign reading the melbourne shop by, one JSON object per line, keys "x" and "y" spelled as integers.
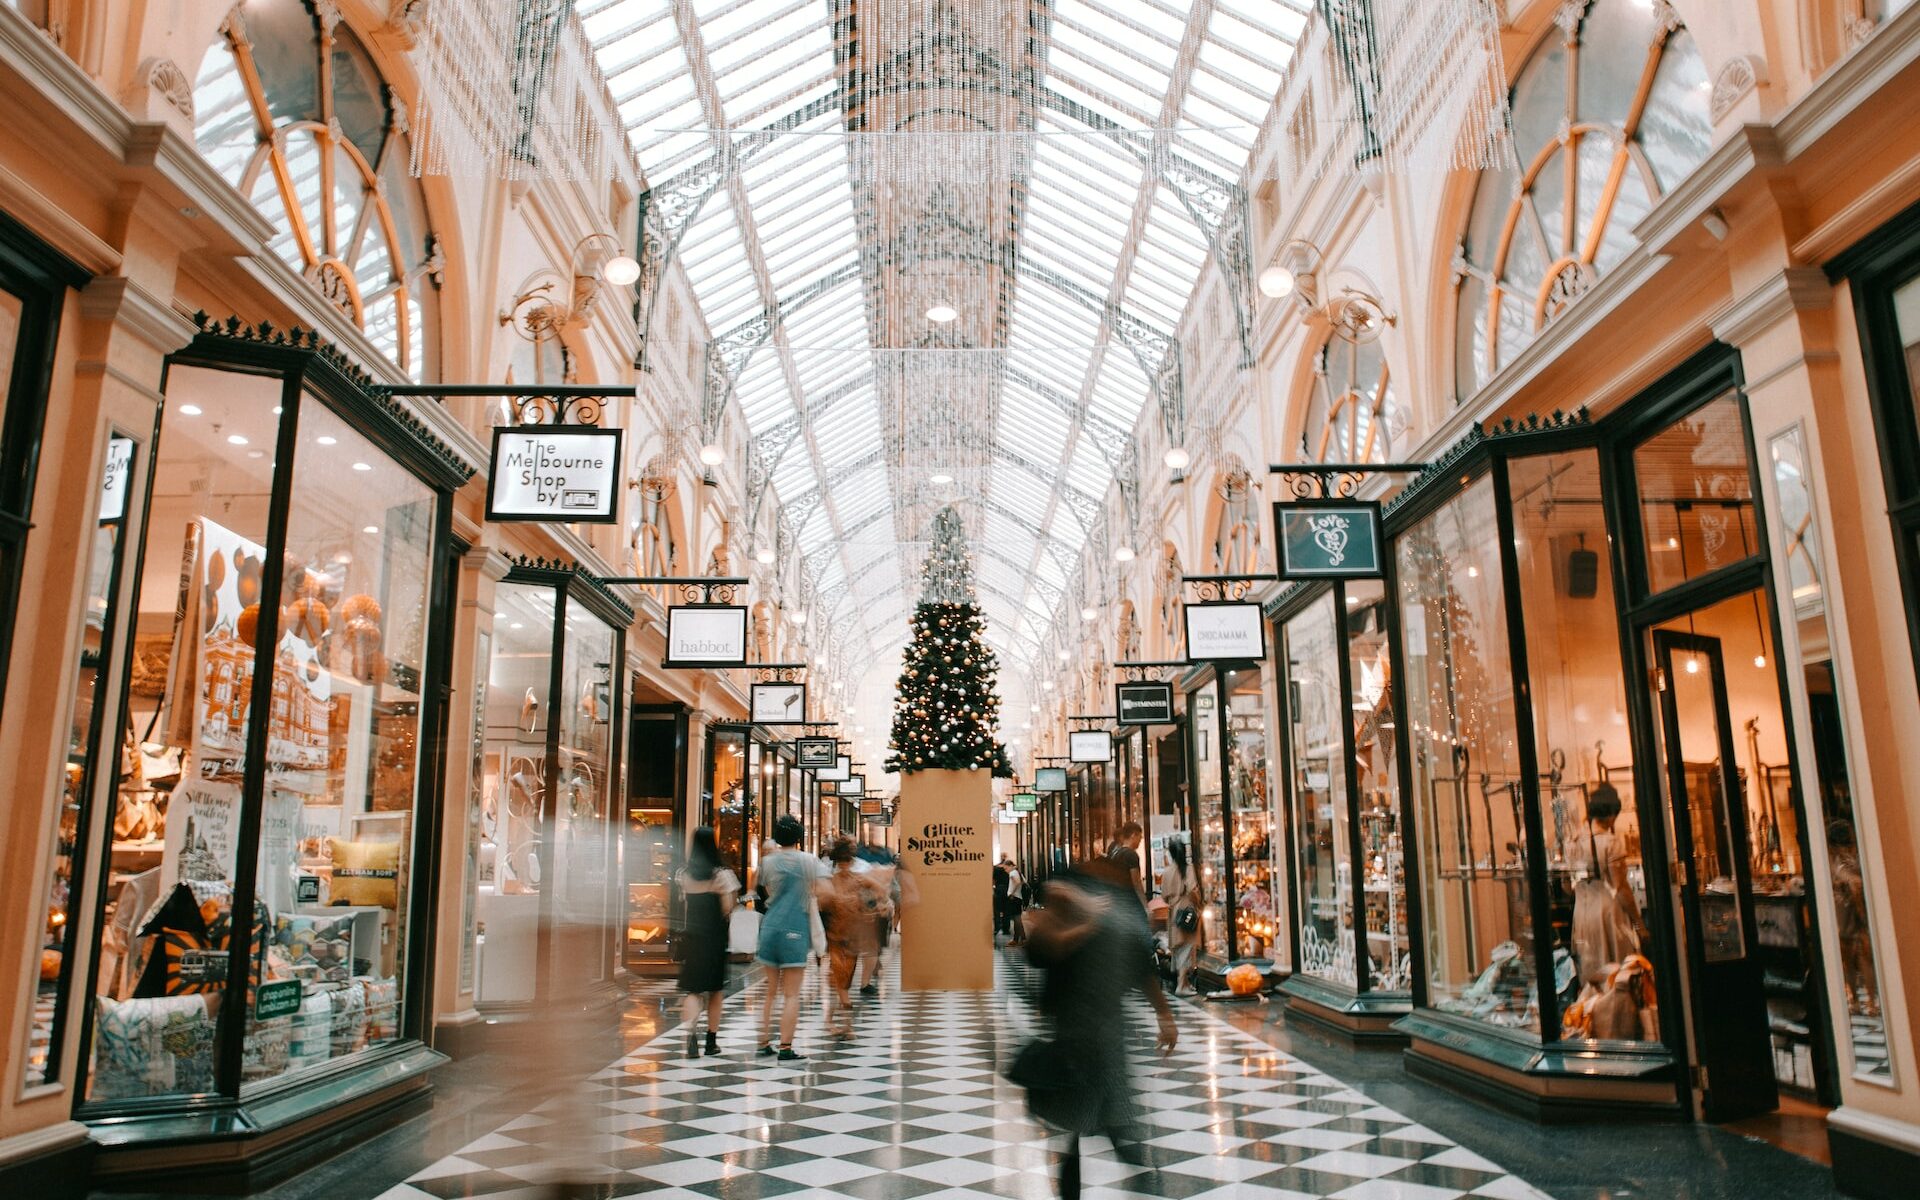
{"x": 1234, "y": 631}
{"x": 706, "y": 635}
{"x": 1143, "y": 703}
{"x": 1328, "y": 539}
{"x": 554, "y": 473}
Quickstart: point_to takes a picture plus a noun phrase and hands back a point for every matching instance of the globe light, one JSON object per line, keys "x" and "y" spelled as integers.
{"x": 942, "y": 313}
{"x": 621, "y": 270}
{"x": 941, "y": 478}
{"x": 1123, "y": 554}
{"x": 1063, "y": 655}
{"x": 763, "y": 555}
{"x": 1276, "y": 283}
{"x": 1177, "y": 458}
{"x": 712, "y": 455}
{"x": 1089, "y": 613}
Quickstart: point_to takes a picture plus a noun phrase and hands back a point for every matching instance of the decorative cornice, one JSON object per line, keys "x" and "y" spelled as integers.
{"x": 309, "y": 341}
{"x": 1791, "y": 290}
{"x": 121, "y": 300}
{"x": 568, "y": 567}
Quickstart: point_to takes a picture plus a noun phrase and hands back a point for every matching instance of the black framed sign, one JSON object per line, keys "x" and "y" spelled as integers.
{"x": 1328, "y": 539}
{"x": 706, "y": 635}
{"x": 1143, "y": 703}
{"x": 853, "y": 786}
{"x": 1050, "y": 779}
{"x": 839, "y": 772}
{"x": 1023, "y": 802}
{"x": 1226, "y": 631}
{"x": 815, "y": 752}
{"x": 1090, "y": 746}
{"x": 554, "y": 473}
{"x": 778, "y": 703}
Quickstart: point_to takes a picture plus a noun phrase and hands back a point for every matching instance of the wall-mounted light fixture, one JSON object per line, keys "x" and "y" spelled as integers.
{"x": 1294, "y": 274}
{"x": 596, "y": 259}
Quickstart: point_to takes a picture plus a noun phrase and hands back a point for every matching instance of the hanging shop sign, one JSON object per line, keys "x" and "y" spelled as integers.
{"x": 113, "y": 488}
{"x": 1006, "y": 816}
{"x": 872, "y": 806}
{"x": 1090, "y": 746}
{"x": 1328, "y": 539}
{"x": 1143, "y": 703}
{"x": 554, "y": 473}
{"x": 1227, "y": 631}
{"x": 813, "y": 753}
{"x": 1023, "y": 802}
{"x": 779, "y": 704}
{"x": 852, "y": 787}
{"x": 839, "y": 772}
{"x": 1050, "y": 779}
{"x": 882, "y": 818}
{"x": 706, "y": 635}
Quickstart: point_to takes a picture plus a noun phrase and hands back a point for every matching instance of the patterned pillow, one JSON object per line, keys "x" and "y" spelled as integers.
{"x": 150, "y": 1047}
{"x": 319, "y": 949}
{"x": 383, "y": 1009}
{"x": 349, "y": 1032}
{"x": 311, "y": 1040}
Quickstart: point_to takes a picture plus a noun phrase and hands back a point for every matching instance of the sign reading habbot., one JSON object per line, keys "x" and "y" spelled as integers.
{"x": 567, "y": 473}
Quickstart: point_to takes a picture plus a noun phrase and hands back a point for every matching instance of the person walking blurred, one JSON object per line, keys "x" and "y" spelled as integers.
{"x": 786, "y": 932}
{"x": 850, "y": 903}
{"x": 1180, "y": 888}
{"x": 708, "y": 893}
{"x": 1016, "y": 904}
{"x": 1091, "y": 938}
{"x": 1000, "y": 897}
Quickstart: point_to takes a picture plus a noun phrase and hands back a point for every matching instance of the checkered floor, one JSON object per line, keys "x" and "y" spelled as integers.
{"x": 915, "y": 1106}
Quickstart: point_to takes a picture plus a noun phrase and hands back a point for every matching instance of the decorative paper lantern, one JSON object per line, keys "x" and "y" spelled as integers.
{"x": 1244, "y": 980}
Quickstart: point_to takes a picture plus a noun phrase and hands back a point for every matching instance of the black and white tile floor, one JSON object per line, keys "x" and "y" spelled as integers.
{"x": 915, "y": 1106}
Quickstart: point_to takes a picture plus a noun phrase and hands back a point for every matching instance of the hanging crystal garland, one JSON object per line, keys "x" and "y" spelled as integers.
{"x": 520, "y": 90}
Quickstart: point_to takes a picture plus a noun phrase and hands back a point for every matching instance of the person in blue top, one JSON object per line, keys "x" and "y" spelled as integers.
{"x": 786, "y": 931}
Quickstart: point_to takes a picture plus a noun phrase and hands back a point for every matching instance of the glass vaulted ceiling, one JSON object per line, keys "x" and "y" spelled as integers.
{"x": 1070, "y": 203}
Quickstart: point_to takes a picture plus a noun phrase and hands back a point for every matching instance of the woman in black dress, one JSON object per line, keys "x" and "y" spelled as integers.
{"x": 709, "y": 891}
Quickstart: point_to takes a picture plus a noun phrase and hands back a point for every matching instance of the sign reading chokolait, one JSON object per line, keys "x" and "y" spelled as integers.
{"x": 1328, "y": 539}
{"x": 815, "y": 752}
{"x": 706, "y": 635}
{"x": 554, "y": 473}
{"x": 1143, "y": 703}
{"x": 779, "y": 703}
{"x": 1090, "y": 746}
{"x": 1230, "y": 631}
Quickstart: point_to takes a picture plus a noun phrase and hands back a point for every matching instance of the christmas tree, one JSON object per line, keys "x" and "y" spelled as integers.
{"x": 946, "y": 716}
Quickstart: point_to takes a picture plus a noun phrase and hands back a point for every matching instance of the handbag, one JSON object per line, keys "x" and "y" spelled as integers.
{"x": 743, "y": 931}
{"x": 1186, "y": 918}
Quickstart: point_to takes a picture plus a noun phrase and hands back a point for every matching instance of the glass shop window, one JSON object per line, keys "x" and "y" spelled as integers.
{"x": 1696, "y": 495}
{"x": 1376, "y": 769}
{"x": 161, "y": 971}
{"x": 1256, "y": 921}
{"x": 1212, "y": 840}
{"x": 1466, "y": 769}
{"x": 583, "y": 851}
{"x": 1597, "y": 884}
{"x": 337, "y": 823}
{"x": 85, "y": 753}
{"x": 1320, "y": 794}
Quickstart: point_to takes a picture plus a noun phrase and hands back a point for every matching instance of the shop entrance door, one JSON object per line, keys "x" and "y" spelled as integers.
{"x": 1708, "y": 817}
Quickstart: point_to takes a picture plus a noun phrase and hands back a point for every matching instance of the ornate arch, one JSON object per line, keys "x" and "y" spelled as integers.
{"x": 1352, "y": 413}
{"x": 1233, "y": 543}
{"x": 1610, "y": 111}
{"x": 298, "y": 117}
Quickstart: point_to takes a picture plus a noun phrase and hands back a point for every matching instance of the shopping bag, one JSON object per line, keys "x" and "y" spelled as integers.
{"x": 743, "y": 931}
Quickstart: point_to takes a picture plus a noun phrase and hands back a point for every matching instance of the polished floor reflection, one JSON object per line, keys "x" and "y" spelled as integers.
{"x": 915, "y": 1105}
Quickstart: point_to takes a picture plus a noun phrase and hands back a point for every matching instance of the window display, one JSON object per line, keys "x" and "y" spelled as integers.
{"x": 1387, "y": 949}
{"x": 1256, "y": 920}
{"x": 1209, "y": 819}
{"x": 1319, "y": 767}
{"x": 1466, "y": 771}
{"x": 262, "y": 862}
{"x": 84, "y": 757}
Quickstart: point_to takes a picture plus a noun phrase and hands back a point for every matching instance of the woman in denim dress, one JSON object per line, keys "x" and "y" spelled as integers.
{"x": 786, "y": 932}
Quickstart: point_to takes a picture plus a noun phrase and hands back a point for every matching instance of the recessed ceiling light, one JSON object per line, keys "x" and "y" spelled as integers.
{"x": 1352, "y": 601}
{"x": 363, "y": 466}
{"x": 327, "y": 441}
{"x": 256, "y": 454}
{"x": 236, "y": 439}
{"x": 371, "y": 529}
{"x": 942, "y": 313}
{"x": 189, "y": 410}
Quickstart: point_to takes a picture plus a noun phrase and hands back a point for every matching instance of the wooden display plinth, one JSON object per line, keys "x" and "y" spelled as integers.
{"x": 946, "y": 844}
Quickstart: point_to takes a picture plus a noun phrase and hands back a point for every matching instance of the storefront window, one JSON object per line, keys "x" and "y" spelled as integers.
{"x": 583, "y": 853}
{"x": 1696, "y": 495}
{"x": 1256, "y": 923}
{"x": 1376, "y": 781}
{"x": 1319, "y": 767}
{"x": 343, "y": 761}
{"x": 727, "y": 799}
{"x": 1588, "y": 814}
{"x": 84, "y": 756}
{"x": 1466, "y": 771}
{"x": 1211, "y": 856}
{"x": 1865, "y": 1030}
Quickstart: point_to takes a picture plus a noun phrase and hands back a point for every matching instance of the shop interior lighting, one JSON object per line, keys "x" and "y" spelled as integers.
{"x": 371, "y": 529}
{"x": 324, "y": 440}
{"x": 190, "y": 410}
{"x": 363, "y": 466}
{"x": 236, "y": 439}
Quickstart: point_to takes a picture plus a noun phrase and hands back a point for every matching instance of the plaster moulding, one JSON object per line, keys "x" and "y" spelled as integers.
{"x": 1737, "y": 79}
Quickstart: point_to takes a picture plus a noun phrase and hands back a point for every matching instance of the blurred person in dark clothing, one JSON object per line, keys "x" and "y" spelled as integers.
{"x": 1091, "y": 938}
{"x": 709, "y": 892}
{"x": 1000, "y": 897}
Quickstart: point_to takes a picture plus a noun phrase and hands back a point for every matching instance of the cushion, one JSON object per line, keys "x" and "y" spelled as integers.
{"x": 319, "y": 949}
{"x": 366, "y": 873}
{"x": 383, "y": 1009}
{"x": 311, "y": 1039}
{"x": 349, "y": 1030}
{"x": 151, "y": 1047}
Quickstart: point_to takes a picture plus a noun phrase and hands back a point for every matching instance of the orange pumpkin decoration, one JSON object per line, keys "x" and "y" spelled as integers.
{"x": 1244, "y": 980}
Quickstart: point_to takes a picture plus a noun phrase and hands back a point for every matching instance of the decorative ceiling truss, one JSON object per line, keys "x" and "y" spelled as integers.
{"x": 919, "y": 227}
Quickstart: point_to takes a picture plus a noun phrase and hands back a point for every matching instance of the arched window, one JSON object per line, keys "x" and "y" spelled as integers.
{"x": 1608, "y": 114}
{"x": 292, "y": 111}
{"x": 1352, "y": 413}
